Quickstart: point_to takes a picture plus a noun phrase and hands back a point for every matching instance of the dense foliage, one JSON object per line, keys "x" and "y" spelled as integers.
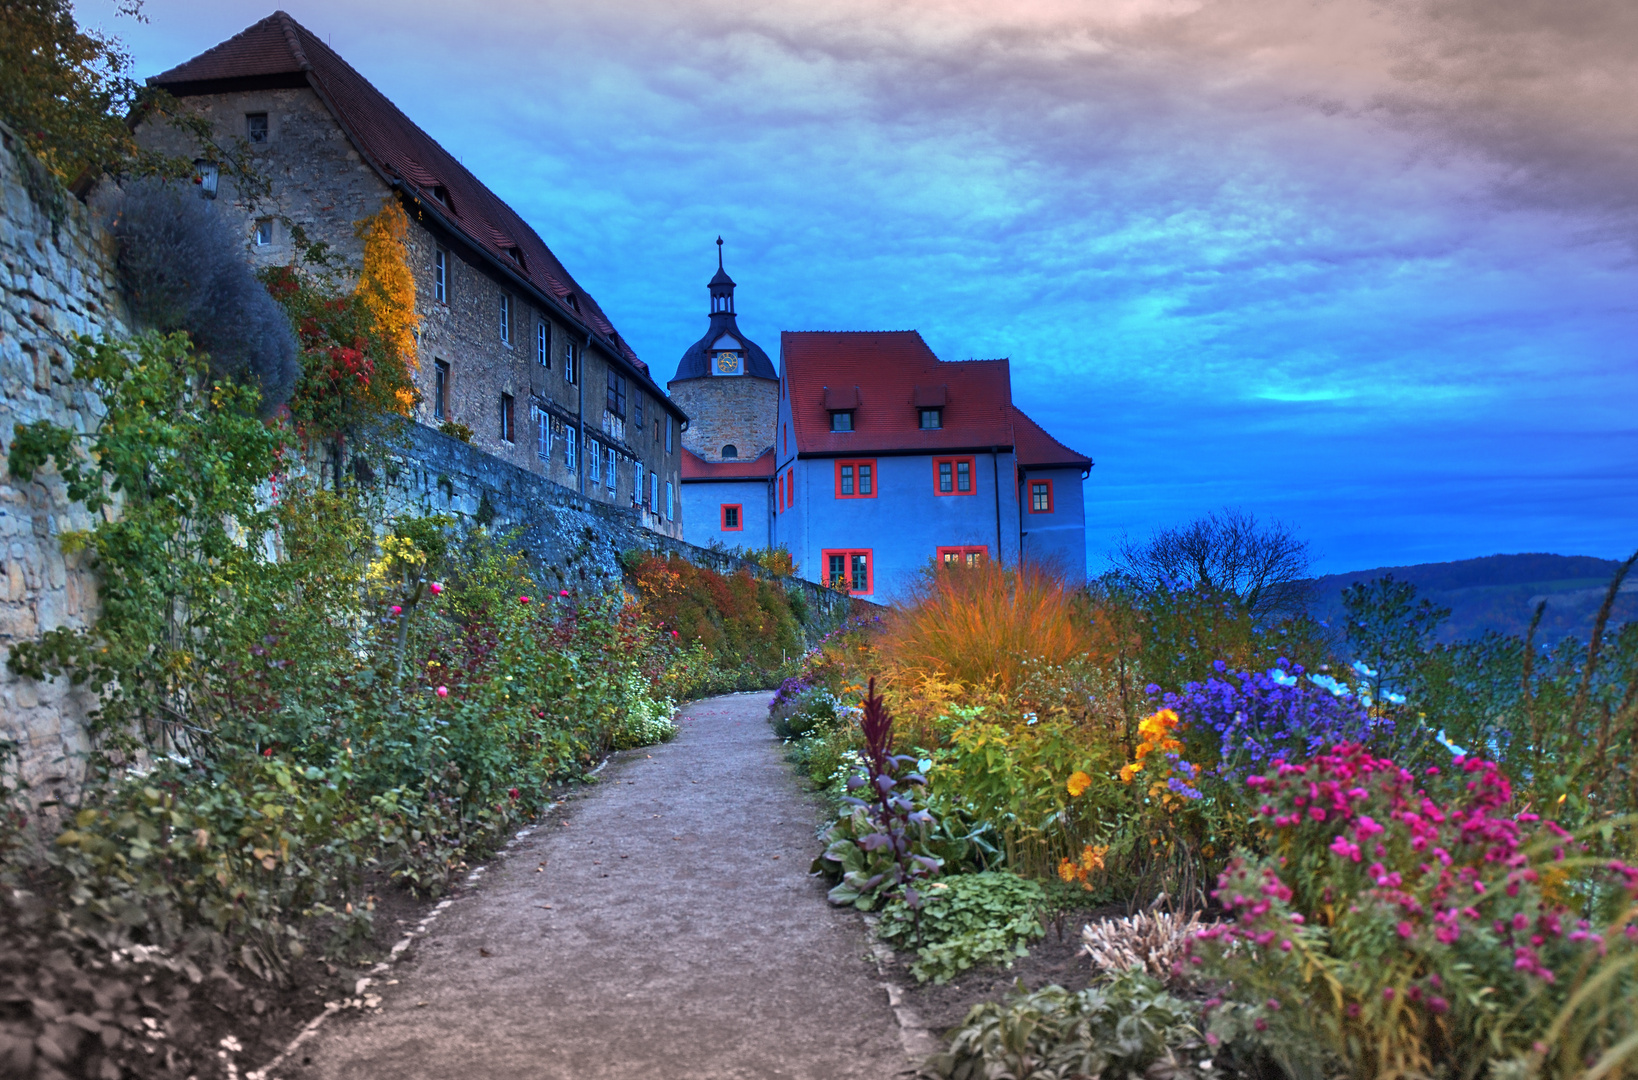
{"x": 1411, "y": 859}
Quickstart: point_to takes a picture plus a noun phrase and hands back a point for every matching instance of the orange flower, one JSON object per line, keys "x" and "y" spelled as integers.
{"x": 1078, "y": 783}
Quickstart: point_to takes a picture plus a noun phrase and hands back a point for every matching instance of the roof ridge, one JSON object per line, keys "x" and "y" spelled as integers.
{"x": 289, "y": 25}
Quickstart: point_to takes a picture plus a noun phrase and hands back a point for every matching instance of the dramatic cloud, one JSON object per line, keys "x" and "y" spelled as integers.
{"x": 1368, "y": 265}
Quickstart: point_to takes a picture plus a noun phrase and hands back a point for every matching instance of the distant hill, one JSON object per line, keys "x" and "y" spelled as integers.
{"x": 1500, "y": 592}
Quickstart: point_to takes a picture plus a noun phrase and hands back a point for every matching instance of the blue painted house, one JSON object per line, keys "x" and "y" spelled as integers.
{"x": 888, "y": 460}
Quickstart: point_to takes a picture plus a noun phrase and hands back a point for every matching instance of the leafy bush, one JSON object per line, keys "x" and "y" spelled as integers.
{"x": 809, "y": 711}
{"x": 183, "y": 270}
{"x": 1129, "y": 1029}
{"x": 743, "y": 623}
{"x": 965, "y": 920}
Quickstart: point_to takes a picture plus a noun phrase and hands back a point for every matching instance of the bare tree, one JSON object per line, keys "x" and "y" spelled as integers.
{"x": 1263, "y": 566}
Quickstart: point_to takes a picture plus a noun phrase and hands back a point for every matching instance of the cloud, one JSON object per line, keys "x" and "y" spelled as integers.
{"x": 1239, "y": 250}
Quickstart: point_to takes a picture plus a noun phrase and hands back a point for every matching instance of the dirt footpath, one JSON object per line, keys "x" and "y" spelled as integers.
{"x": 673, "y": 934}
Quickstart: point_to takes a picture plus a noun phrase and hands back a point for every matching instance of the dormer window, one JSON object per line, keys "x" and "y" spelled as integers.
{"x": 841, "y": 420}
{"x": 932, "y": 419}
{"x": 441, "y": 193}
{"x": 516, "y": 255}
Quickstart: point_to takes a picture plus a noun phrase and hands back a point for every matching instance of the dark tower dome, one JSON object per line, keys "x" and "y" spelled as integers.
{"x": 724, "y": 351}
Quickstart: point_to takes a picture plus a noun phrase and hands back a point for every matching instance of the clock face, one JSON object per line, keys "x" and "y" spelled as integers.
{"x": 727, "y": 363}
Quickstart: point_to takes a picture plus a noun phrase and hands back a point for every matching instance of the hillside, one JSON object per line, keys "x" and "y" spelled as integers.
{"x": 1500, "y": 592}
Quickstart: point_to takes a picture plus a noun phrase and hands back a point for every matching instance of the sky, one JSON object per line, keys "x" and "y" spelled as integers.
{"x": 1367, "y": 267}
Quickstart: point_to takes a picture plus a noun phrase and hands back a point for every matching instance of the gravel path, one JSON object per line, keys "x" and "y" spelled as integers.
{"x": 673, "y": 934}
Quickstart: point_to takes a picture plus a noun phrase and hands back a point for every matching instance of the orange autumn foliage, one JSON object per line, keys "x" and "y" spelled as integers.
{"x": 386, "y": 288}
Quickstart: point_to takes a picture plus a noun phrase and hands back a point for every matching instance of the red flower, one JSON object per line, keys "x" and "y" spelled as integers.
{"x": 268, "y": 752}
{"x": 512, "y": 792}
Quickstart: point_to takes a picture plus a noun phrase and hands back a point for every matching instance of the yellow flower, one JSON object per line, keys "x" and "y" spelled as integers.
{"x": 1078, "y": 783}
{"x": 1066, "y": 870}
{"x": 1129, "y": 771}
{"x": 1092, "y": 857}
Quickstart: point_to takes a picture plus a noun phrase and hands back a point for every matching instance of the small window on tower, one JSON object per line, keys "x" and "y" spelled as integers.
{"x": 264, "y": 232}
{"x": 730, "y": 452}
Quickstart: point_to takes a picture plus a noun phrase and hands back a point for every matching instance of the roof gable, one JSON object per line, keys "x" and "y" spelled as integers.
{"x": 1037, "y": 449}
{"x": 278, "y": 47}
{"x": 881, "y": 376}
{"x": 760, "y": 467}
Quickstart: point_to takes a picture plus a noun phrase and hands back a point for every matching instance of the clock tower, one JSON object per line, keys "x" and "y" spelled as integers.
{"x": 726, "y": 384}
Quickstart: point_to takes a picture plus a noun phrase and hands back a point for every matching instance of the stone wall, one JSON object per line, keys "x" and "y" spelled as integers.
{"x": 737, "y": 410}
{"x": 56, "y": 280}
{"x": 577, "y": 540}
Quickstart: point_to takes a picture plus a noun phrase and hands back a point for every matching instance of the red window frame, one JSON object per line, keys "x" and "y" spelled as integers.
{"x": 955, "y": 464}
{"x": 739, "y": 517}
{"x": 850, "y": 557}
{"x": 963, "y": 555}
{"x": 855, "y": 477}
{"x": 1033, "y": 486}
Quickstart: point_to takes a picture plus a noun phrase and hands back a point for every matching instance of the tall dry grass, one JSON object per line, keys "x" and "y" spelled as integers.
{"x": 975, "y": 634}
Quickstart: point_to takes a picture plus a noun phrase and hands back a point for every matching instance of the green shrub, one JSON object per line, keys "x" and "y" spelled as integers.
{"x": 812, "y": 711}
{"x": 966, "y": 920}
{"x": 1129, "y": 1029}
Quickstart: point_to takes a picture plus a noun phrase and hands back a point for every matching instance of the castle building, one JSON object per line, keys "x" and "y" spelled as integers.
{"x": 869, "y": 458}
{"x": 510, "y": 346}
{"x": 729, "y": 388}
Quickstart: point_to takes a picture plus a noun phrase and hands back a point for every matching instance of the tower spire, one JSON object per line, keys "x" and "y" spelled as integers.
{"x": 719, "y": 253}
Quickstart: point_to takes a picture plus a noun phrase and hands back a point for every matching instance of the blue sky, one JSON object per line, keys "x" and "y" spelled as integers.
{"x": 1368, "y": 266}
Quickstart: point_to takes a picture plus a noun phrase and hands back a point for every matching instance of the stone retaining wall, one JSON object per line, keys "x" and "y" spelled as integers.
{"x": 56, "y": 280}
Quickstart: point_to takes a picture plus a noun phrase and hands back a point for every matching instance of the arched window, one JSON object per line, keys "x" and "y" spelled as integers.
{"x": 730, "y": 451}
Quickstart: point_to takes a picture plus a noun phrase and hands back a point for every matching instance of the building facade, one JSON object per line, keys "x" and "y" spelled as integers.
{"x": 730, "y": 390}
{"x": 889, "y": 461}
{"x": 510, "y": 346}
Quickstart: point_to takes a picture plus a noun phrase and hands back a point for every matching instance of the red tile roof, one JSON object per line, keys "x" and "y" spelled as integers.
{"x": 892, "y": 370}
{"x": 695, "y": 467}
{"x": 392, "y": 143}
{"x": 1037, "y": 449}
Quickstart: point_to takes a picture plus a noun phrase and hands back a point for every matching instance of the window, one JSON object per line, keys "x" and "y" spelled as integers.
{"x": 654, "y": 492}
{"x": 637, "y": 412}
{"x": 594, "y": 461}
{"x": 953, "y": 476}
{"x": 508, "y": 433}
{"x": 256, "y": 127}
{"x": 206, "y": 175}
{"x": 264, "y": 231}
{"x": 668, "y": 434}
{"x": 932, "y": 419}
{"x": 730, "y": 452}
{"x": 732, "y": 519}
{"x": 609, "y": 475}
{"x": 543, "y": 345}
{"x": 856, "y": 479}
{"x": 1040, "y": 496}
{"x": 616, "y": 402}
{"x": 670, "y": 503}
{"x": 841, "y": 421}
{"x": 543, "y": 435}
{"x": 440, "y": 275}
{"x": 657, "y": 431}
{"x": 972, "y": 555}
{"x": 568, "y": 362}
{"x": 506, "y": 318}
{"x": 851, "y": 568}
{"x": 637, "y": 484}
{"x": 440, "y": 390}
{"x": 568, "y": 447}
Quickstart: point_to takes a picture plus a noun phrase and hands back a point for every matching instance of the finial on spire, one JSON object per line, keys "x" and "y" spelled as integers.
{"x": 719, "y": 253}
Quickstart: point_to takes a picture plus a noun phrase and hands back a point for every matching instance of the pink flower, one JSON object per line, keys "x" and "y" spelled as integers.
{"x": 1406, "y": 930}
{"x": 443, "y": 691}
{"x": 436, "y": 588}
{"x": 396, "y": 610}
{"x": 564, "y": 592}
{"x": 673, "y": 633}
{"x": 523, "y": 599}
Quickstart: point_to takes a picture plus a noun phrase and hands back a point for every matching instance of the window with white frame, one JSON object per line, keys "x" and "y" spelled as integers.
{"x": 654, "y": 492}
{"x": 610, "y": 474}
{"x": 637, "y": 483}
{"x": 440, "y": 275}
{"x": 594, "y": 461}
{"x": 543, "y": 434}
{"x": 568, "y": 447}
{"x": 670, "y": 503}
{"x": 568, "y": 362}
{"x": 506, "y": 318}
{"x": 264, "y": 232}
{"x": 543, "y": 345}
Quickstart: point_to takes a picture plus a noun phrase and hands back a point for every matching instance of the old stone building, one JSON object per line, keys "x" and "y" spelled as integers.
{"x": 510, "y": 345}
